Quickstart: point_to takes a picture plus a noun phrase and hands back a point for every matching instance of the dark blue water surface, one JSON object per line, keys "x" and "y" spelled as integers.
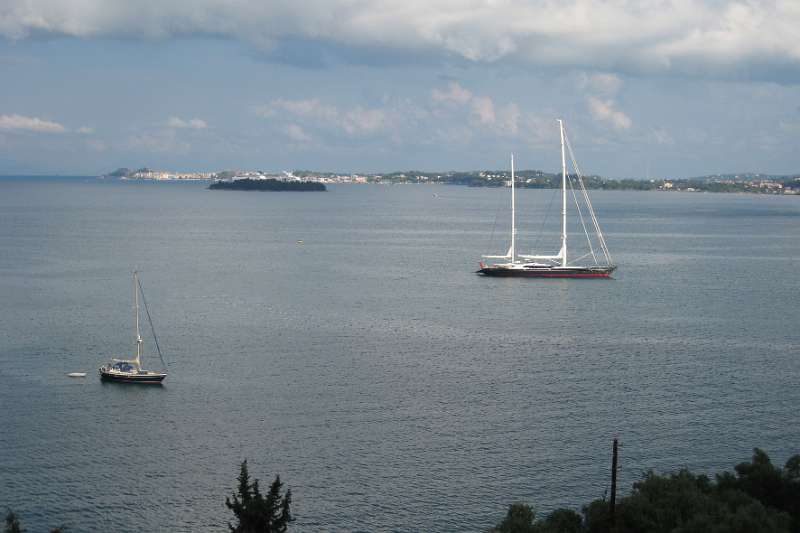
{"x": 391, "y": 387}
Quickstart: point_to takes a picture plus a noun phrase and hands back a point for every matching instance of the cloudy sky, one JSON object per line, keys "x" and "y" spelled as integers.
{"x": 647, "y": 87}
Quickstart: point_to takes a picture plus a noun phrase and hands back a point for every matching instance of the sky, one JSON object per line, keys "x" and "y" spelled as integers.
{"x": 647, "y": 88}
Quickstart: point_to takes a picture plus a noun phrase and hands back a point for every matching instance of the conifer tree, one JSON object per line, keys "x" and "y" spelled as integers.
{"x": 12, "y": 523}
{"x": 256, "y": 513}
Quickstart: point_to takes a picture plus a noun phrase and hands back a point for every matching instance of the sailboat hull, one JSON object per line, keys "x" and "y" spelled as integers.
{"x": 546, "y": 272}
{"x": 144, "y": 378}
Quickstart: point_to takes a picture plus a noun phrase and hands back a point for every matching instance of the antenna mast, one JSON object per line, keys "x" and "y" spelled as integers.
{"x": 513, "y": 251}
{"x": 563, "y": 253}
{"x": 136, "y": 306}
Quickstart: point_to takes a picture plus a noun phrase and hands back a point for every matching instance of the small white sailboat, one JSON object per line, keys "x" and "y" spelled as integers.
{"x": 130, "y": 370}
{"x": 554, "y": 265}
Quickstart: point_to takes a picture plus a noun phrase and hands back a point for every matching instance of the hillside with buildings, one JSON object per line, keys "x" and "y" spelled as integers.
{"x": 533, "y": 179}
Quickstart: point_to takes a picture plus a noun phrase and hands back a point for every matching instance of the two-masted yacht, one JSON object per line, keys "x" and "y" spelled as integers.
{"x": 555, "y": 265}
{"x": 130, "y": 370}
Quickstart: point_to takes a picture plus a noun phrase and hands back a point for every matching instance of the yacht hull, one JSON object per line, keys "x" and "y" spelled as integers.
{"x": 547, "y": 272}
{"x": 150, "y": 378}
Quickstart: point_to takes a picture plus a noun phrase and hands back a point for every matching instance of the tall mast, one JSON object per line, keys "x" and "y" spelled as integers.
{"x": 563, "y": 197}
{"x": 512, "y": 251}
{"x": 136, "y": 306}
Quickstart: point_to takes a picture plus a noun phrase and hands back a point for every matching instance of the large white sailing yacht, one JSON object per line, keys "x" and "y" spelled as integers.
{"x": 555, "y": 265}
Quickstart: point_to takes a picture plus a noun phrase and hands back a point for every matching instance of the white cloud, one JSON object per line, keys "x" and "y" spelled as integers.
{"x": 455, "y": 94}
{"x": 541, "y": 132}
{"x": 96, "y": 145}
{"x": 604, "y": 111}
{"x": 164, "y": 141}
{"x": 697, "y": 37}
{"x": 791, "y": 127}
{"x": 178, "y": 123}
{"x": 504, "y": 120}
{"x": 358, "y": 120}
{"x": 662, "y": 137}
{"x": 297, "y": 134}
{"x": 483, "y": 109}
{"x": 365, "y": 120}
{"x": 600, "y": 88}
{"x": 23, "y": 123}
{"x": 509, "y": 118}
{"x": 312, "y": 108}
{"x": 85, "y": 130}
{"x": 602, "y": 82}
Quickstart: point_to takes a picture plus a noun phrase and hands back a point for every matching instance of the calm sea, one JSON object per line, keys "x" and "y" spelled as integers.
{"x": 391, "y": 388}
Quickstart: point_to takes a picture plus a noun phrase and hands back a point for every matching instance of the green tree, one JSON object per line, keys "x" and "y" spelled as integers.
{"x": 12, "y": 523}
{"x": 597, "y": 516}
{"x": 758, "y": 498}
{"x": 256, "y": 513}
{"x": 561, "y": 521}
{"x": 519, "y": 519}
{"x": 688, "y": 503}
{"x": 774, "y": 487}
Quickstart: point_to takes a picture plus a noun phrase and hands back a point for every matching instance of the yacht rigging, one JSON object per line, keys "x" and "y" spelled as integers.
{"x": 555, "y": 265}
{"x": 130, "y": 370}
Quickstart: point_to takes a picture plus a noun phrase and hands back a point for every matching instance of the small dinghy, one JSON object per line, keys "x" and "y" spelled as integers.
{"x": 77, "y": 374}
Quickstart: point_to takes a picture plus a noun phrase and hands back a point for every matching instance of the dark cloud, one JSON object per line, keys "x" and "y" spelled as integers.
{"x": 317, "y": 54}
{"x": 713, "y": 38}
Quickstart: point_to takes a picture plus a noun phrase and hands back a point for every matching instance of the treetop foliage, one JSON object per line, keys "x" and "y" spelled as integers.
{"x": 12, "y": 523}
{"x": 258, "y": 513}
{"x": 758, "y": 498}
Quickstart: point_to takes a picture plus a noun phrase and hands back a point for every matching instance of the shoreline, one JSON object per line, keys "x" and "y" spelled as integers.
{"x": 765, "y": 191}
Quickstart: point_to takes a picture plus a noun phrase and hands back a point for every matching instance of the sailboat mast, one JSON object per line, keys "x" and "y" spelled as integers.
{"x": 513, "y": 249}
{"x": 563, "y": 197}
{"x": 136, "y": 306}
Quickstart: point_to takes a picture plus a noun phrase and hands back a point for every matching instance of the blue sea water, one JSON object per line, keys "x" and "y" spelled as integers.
{"x": 391, "y": 388}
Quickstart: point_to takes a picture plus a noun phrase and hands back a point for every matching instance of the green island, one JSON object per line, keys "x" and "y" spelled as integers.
{"x": 269, "y": 184}
{"x": 758, "y": 498}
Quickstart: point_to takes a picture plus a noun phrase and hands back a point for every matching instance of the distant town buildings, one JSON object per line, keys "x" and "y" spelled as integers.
{"x": 160, "y": 175}
{"x": 292, "y": 176}
{"x": 735, "y": 183}
{"x": 753, "y": 183}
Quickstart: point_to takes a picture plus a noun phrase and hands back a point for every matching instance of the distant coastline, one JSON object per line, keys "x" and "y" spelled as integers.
{"x": 527, "y": 179}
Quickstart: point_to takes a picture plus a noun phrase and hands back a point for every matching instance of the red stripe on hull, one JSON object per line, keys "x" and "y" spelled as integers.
{"x": 570, "y": 276}
{"x": 534, "y": 274}
{"x": 550, "y": 275}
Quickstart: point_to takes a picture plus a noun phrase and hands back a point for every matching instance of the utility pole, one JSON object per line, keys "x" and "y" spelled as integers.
{"x": 613, "y": 503}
